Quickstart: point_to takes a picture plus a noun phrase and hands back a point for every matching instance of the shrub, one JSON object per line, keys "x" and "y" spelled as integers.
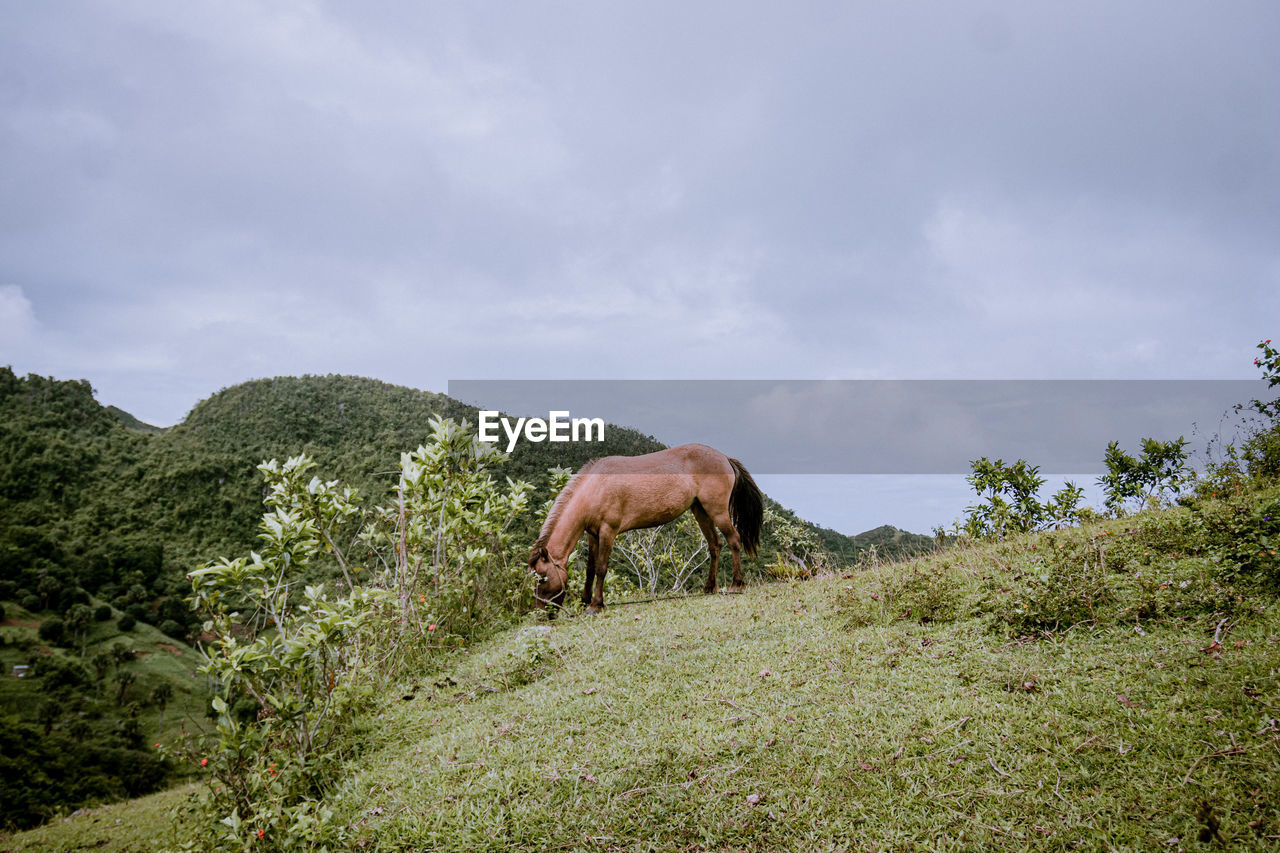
{"x": 56, "y": 671}
{"x": 173, "y": 629}
{"x": 300, "y": 664}
{"x": 922, "y": 591}
{"x": 53, "y": 630}
{"x": 102, "y": 613}
{"x": 530, "y": 657}
{"x": 126, "y": 623}
{"x": 1161, "y": 468}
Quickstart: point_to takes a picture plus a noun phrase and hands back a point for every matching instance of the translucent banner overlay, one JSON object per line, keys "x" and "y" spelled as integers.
{"x": 890, "y": 426}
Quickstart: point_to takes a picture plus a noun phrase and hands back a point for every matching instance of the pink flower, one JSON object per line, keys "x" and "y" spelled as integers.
{"x": 204, "y": 762}
{"x": 431, "y": 627}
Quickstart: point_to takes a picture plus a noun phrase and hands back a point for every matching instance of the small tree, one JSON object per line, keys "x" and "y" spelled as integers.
{"x": 1161, "y": 468}
{"x": 77, "y": 621}
{"x": 1261, "y": 451}
{"x": 53, "y": 631}
{"x": 297, "y": 656}
{"x": 160, "y": 696}
{"x": 101, "y": 662}
{"x": 1011, "y": 505}
{"x": 1064, "y": 508}
{"x": 124, "y": 680}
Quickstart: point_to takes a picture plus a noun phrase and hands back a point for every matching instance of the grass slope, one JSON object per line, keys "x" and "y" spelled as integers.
{"x": 763, "y": 722}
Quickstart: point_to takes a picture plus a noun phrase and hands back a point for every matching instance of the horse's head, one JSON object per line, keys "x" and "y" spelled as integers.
{"x": 553, "y": 578}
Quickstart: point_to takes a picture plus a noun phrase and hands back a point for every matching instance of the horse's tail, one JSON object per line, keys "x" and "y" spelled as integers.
{"x": 746, "y": 508}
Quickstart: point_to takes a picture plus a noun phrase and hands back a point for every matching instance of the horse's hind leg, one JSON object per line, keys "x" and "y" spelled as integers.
{"x": 735, "y": 545}
{"x": 593, "y": 550}
{"x": 708, "y": 528}
{"x": 604, "y": 544}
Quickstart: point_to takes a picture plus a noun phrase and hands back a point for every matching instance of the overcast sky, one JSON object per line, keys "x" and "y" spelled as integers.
{"x": 199, "y": 193}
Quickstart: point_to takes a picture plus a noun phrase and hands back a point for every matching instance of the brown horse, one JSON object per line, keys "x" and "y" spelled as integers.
{"x": 617, "y": 493}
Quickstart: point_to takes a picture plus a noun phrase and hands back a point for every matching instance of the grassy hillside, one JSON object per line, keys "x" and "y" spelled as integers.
{"x": 1109, "y": 687}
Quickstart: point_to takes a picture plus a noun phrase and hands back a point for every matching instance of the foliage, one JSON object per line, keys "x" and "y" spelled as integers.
{"x": 921, "y": 591}
{"x": 1161, "y": 468}
{"x": 1010, "y": 492}
{"x": 450, "y": 532}
{"x": 1269, "y": 363}
{"x": 291, "y": 651}
{"x": 800, "y": 554}
{"x": 305, "y": 658}
{"x": 42, "y": 773}
{"x": 1260, "y": 452}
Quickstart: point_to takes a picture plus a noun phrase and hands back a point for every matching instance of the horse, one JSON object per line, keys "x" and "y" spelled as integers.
{"x": 616, "y": 493}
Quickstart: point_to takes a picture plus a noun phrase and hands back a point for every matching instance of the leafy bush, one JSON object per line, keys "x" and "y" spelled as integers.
{"x": 56, "y": 672}
{"x": 1010, "y": 492}
{"x": 1161, "y": 469}
{"x": 102, "y": 613}
{"x": 305, "y": 659}
{"x": 923, "y": 590}
{"x": 126, "y": 623}
{"x": 1063, "y": 584}
{"x": 173, "y": 629}
{"x": 53, "y": 631}
{"x": 530, "y": 657}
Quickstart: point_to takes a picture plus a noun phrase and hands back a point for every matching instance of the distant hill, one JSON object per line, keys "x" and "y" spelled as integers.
{"x": 92, "y": 498}
{"x": 129, "y": 422}
{"x": 90, "y": 493}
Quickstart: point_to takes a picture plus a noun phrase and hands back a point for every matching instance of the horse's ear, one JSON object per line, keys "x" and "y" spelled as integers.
{"x": 543, "y": 555}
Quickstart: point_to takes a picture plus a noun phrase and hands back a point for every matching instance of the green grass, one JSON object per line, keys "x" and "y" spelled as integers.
{"x": 134, "y": 826}
{"x": 762, "y": 722}
{"x": 812, "y": 716}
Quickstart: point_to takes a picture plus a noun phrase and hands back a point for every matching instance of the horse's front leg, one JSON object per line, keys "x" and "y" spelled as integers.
{"x": 593, "y": 552}
{"x": 604, "y": 545}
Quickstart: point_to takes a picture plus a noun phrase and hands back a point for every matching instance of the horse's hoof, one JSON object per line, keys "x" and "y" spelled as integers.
{"x": 708, "y": 590}
{"x": 592, "y": 611}
{"x": 733, "y": 590}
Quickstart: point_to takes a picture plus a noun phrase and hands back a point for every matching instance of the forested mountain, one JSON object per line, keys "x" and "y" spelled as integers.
{"x": 90, "y": 497}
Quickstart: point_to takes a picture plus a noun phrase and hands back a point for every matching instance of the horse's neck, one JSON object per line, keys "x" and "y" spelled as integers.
{"x": 566, "y": 533}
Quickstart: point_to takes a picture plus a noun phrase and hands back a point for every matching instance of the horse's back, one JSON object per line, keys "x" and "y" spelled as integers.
{"x": 686, "y": 459}
{"x": 642, "y": 491}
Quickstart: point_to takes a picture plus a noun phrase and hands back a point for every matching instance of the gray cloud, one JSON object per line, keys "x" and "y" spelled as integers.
{"x": 195, "y": 194}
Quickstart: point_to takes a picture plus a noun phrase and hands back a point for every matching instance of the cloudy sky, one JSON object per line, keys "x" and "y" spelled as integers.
{"x": 195, "y": 194}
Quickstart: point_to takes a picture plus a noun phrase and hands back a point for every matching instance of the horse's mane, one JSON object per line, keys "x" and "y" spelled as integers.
{"x": 562, "y": 500}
